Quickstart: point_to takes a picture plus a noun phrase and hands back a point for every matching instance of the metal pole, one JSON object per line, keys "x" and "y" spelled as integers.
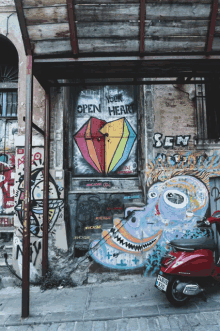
{"x": 27, "y": 191}
{"x": 46, "y": 184}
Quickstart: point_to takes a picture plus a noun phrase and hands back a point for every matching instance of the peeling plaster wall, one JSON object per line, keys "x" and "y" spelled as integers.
{"x": 12, "y": 163}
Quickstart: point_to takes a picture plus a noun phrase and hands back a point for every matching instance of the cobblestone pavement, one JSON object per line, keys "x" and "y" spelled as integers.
{"x": 205, "y": 321}
{"x": 123, "y": 306}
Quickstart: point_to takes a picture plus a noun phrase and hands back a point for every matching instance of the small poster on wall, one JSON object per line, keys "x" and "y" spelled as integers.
{"x": 105, "y": 132}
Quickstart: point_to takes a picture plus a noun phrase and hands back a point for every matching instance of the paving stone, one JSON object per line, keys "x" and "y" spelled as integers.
{"x": 66, "y": 326}
{"x": 64, "y": 317}
{"x": 99, "y": 325}
{"x": 122, "y": 325}
{"x": 17, "y": 328}
{"x": 111, "y": 326}
{"x": 3, "y": 318}
{"x": 217, "y": 315}
{"x": 174, "y": 323}
{"x": 164, "y": 323}
{"x": 103, "y": 314}
{"x": 53, "y": 326}
{"x": 183, "y": 324}
{"x": 169, "y": 309}
{"x": 210, "y": 318}
{"x": 193, "y": 319}
{"x": 209, "y": 305}
{"x": 207, "y": 328}
{"x": 82, "y": 326}
{"x": 154, "y": 324}
{"x": 132, "y": 324}
{"x": 141, "y": 311}
{"x": 13, "y": 320}
{"x": 38, "y": 327}
{"x": 143, "y": 324}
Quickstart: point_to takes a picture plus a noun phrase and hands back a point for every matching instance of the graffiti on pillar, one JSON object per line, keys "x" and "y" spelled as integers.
{"x": 56, "y": 201}
{"x": 35, "y": 256}
{"x": 7, "y": 172}
{"x": 105, "y": 132}
{"x": 178, "y": 196}
{"x": 170, "y": 141}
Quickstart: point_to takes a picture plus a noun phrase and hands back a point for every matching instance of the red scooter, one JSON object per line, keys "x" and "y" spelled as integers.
{"x": 186, "y": 269}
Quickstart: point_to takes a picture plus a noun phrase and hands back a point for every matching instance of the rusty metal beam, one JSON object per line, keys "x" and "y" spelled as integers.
{"x": 72, "y": 25}
{"x": 142, "y": 25}
{"x": 212, "y": 24}
{"x": 27, "y": 190}
{"x": 34, "y": 126}
{"x": 145, "y": 58}
{"x": 137, "y": 82}
{"x": 23, "y": 27}
{"x": 46, "y": 185}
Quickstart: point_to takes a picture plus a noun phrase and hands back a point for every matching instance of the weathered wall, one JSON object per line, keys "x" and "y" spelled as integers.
{"x": 177, "y": 178}
{"x": 12, "y": 139}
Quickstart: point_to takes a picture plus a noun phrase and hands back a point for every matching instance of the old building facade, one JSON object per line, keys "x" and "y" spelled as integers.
{"x": 132, "y": 166}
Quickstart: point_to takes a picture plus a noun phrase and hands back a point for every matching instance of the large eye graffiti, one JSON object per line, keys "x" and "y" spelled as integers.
{"x": 134, "y": 222}
{"x": 152, "y": 195}
{"x": 175, "y": 198}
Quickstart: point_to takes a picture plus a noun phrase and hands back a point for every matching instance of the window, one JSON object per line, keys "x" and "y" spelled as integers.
{"x": 8, "y": 103}
{"x": 208, "y": 110}
{"x": 8, "y": 91}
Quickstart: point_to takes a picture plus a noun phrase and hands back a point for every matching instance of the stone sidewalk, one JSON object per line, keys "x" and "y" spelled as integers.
{"x": 130, "y": 305}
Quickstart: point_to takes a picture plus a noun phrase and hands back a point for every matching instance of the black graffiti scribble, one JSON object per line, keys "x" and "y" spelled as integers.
{"x": 90, "y": 207}
{"x": 217, "y": 196}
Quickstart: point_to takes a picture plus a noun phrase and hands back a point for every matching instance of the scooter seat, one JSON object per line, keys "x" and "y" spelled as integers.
{"x": 193, "y": 244}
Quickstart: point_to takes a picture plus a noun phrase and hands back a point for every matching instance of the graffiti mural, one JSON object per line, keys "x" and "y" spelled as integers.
{"x": 55, "y": 194}
{"x": 35, "y": 256}
{"x": 178, "y": 196}
{"x": 105, "y": 146}
{"x": 93, "y": 208}
{"x": 105, "y": 126}
{"x": 7, "y": 172}
{"x": 170, "y": 141}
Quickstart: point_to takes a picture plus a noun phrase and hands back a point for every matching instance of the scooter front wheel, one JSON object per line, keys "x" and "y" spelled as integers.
{"x": 175, "y": 297}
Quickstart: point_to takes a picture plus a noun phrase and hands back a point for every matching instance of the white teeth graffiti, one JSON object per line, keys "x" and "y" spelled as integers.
{"x": 119, "y": 240}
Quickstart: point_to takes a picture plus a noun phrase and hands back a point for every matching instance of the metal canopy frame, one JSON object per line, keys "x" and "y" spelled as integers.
{"x": 212, "y": 24}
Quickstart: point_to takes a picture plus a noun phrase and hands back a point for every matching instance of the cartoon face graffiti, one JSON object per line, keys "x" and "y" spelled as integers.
{"x": 36, "y": 216}
{"x": 173, "y": 207}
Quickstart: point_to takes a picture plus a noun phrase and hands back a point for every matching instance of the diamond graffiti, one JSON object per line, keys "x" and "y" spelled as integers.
{"x": 105, "y": 145}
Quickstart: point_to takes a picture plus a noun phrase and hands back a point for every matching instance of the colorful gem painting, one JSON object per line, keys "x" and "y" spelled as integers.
{"x": 105, "y": 146}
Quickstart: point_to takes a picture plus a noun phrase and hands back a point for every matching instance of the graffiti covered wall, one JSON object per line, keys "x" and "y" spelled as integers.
{"x": 105, "y": 132}
{"x": 56, "y": 203}
{"x": 178, "y": 196}
{"x": 178, "y": 183}
{"x": 8, "y": 133}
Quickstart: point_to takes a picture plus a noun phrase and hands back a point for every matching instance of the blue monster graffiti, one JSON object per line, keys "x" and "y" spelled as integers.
{"x": 173, "y": 208}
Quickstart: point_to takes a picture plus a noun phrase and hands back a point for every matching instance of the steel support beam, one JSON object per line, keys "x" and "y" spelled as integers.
{"x": 46, "y": 185}
{"x": 142, "y": 25}
{"x": 27, "y": 190}
{"x": 34, "y": 126}
{"x": 145, "y": 58}
{"x": 137, "y": 82}
{"x": 23, "y": 27}
{"x": 72, "y": 25}
{"x": 212, "y": 25}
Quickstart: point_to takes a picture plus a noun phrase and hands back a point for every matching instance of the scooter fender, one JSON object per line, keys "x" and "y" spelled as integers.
{"x": 198, "y": 263}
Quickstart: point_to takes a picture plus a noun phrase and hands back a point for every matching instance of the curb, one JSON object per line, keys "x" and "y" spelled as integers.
{"x": 103, "y": 315}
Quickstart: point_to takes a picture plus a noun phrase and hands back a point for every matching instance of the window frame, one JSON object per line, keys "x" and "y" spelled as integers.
{"x": 202, "y": 139}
